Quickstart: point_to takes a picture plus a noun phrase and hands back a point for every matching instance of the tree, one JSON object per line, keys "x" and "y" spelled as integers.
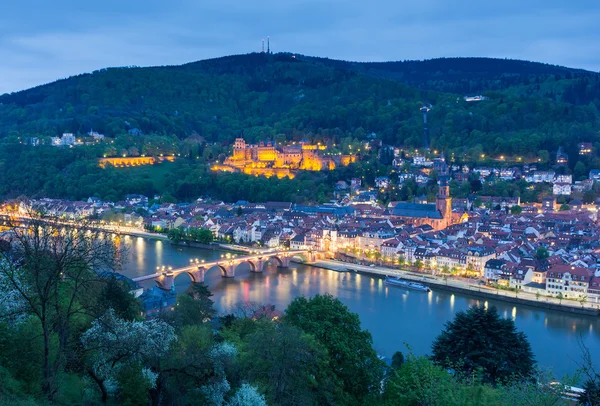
{"x": 115, "y": 295}
{"x": 582, "y": 300}
{"x": 516, "y": 210}
{"x": 176, "y": 235}
{"x": 542, "y": 253}
{"x": 247, "y": 395}
{"x": 420, "y": 382}
{"x": 542, "y": 390}
{"x": 591, "y": 385}
{"x": 544, "y": 156}
{"x": 194, "y": 361}
{"x": 352, "y": 357}
{"x": 564, "y": 207}
{"x": 579, "y": 171}
{"x": 480, "y": 340}
{"x": 419, "y": 264}
{"x": 287, "y": 365}
{"x": 194, "y": 307}
{"x": 114, "y": 343}
{"x": 560, "y": 297}
{"x": 53, "y": 269}
{"x": 397, "y": 360}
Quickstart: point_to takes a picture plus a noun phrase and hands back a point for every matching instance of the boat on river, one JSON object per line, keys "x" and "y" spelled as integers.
{"x": 402, "y": 283}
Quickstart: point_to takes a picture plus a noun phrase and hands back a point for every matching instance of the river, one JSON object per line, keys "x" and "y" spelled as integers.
{"x": 395, "y": 317}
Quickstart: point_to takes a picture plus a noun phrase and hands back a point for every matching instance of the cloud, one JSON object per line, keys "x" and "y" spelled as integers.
{"x": 42, "y": 41}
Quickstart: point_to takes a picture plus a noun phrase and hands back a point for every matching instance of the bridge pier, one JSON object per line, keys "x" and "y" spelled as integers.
{"x": 285, "y": 262}
{"x": 166, "y": 281}
{"x": 258, "y": 265}
{"x": 197, "y": 276}
{"x": 229, "y": 270}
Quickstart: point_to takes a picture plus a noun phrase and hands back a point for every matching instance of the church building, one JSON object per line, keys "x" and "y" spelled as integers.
{"x": 438, "y": 215}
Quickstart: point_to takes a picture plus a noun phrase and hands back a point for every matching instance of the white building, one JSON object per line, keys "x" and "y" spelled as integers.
{"x": 570, "y": 281}
{"x": 561, "y": 189}
{"x": 421, "y": 161}
{"x": 563, "y": 179}
{"x": 543, "y": 176}
{"x": 68, "y": 139}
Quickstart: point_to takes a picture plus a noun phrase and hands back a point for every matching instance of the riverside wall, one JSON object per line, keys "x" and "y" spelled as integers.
{"x": 459, "y": 287}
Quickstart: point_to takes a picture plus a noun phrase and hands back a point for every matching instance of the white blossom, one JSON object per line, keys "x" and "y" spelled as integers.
{"x": 13, "y": 307}
{"x": 150, "y": 377}
{"x": 215, "y": 393}
{"x": 115, "y": 342}
{"x": 247, "y": 395}
{"x": 224, "y": 350}
{"x": 220, "y": 354}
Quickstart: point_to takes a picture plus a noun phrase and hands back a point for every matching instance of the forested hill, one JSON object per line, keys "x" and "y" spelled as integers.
{"x": 474, "y": 75}
{"x": 531, "y": 106}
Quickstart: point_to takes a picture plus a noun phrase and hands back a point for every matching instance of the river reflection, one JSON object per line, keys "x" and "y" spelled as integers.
{"x": 394, "y": 316}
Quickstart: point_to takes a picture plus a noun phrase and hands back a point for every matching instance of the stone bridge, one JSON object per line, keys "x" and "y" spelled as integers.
{"x": 227, "y": 266}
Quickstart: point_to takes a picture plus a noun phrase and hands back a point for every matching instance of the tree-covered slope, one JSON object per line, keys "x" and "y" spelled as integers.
{"x": 531, "y": 106}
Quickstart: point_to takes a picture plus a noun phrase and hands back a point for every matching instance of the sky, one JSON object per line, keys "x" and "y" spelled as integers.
{"x": 45, "y": 40}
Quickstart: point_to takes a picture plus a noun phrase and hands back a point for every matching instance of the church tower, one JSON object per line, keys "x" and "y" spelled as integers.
{"x": 443, "y": 201}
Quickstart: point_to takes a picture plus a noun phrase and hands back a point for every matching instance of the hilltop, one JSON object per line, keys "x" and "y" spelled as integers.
{"x": 531, "y": 106}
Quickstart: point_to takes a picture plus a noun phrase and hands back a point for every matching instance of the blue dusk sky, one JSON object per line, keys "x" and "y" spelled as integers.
{"x": 45, "y": 40}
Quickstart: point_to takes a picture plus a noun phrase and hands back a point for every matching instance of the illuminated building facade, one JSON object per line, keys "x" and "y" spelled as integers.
{"x": 438, "y": 215}
{"x": 267, "y": 159}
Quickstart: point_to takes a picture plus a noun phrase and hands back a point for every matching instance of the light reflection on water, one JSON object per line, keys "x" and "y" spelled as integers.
{"x": 393, "y": 315}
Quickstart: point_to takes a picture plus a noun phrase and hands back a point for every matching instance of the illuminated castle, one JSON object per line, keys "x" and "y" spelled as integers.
{"x": 265, "y": 159}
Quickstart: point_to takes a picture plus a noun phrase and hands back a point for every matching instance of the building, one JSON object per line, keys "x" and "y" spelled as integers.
{"x": 543, "y": 176}
{"x": 548, "y": 203}
{"x": 67, "y": 140}
{"x": 268, "y": 159}
{"x": 96, "y": 136}
{"x": 570, "y": 281}
{"x": 561, "y": 189}
{"x": 450, "y": 259}
{"x": 496, "y": 270}
{"x": 561, "y": 157}
{"x": 478, "y": 257}
{"x": 584, "y": 148}
{"x": 474, "y": 98}
{"x": 156, "y": 300}
{"x": 438, "y": 215}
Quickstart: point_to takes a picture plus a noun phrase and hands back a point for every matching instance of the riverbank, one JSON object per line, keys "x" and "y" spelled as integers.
{"x": 457, "y": 286}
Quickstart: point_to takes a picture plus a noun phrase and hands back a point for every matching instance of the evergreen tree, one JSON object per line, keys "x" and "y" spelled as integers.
{"x": 480, "y": 341}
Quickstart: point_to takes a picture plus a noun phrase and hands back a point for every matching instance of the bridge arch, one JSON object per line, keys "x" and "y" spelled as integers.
{"x": 271, "y": 259}
{"x": 178, "y": 279}
{"x": 217, "y": 266}
{"x": 303, "y": 256}
{"x": 251, "y": 264}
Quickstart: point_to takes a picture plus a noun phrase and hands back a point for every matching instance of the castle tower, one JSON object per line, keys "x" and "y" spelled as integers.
{"x": 239, "y": 149}
{"x": 443, "y": 202}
